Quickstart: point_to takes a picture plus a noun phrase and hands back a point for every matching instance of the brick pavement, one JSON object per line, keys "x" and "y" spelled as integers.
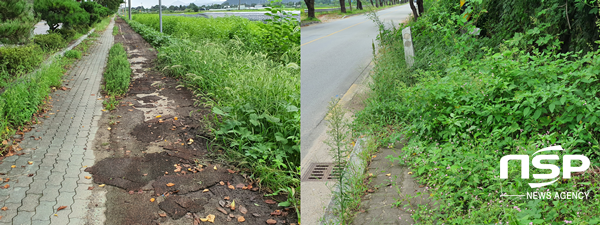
{"x": 60, "y": 157}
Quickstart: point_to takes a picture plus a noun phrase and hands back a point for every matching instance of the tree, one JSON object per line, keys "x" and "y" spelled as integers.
{"x": 66, "y": 12}
{"x": 193, "y": 7}
{"x": 421, "y": 8}
{"x": 310, "y": 4}
{"x": 414, "y": 10}
{"x": 359, "y": 5}
{"x": 111, "y": 4}
{"x": 16, "y": 21}
{"x": 343, "y": 6}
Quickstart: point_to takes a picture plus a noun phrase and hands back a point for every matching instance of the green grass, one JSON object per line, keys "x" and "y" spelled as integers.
{"x": 118, "y": 71}
{"x": 21, "y": 100}
{"x": 103, "y": 24}
{"x": 73, "y": 54}
{"x": 115, "y": 30}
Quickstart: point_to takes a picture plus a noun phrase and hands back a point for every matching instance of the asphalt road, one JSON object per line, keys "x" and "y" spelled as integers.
{"x": 334, "y": 55}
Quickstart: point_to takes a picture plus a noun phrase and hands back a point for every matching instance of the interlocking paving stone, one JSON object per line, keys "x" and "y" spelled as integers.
{"x": 23, "y": 218}
{"x": 59, "y": 155}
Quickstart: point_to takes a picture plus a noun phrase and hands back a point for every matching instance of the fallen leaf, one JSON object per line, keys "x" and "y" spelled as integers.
{"x": 7, "y": 179}
{"x": 409, "y": 173}
{"x": 221, "y": 183}
{"x": 241, "y": 219}
{"x": 271, "y": 221}
{"x": 269, "y": 201}
{"x": 215, "y": 167}
{"x": 226, "y": 198}
{"x": 13, "y": 166}
{"x": 131, "y": 110}
{"x": 4, "y": 142}
{"x": 61, "y": 208}
{"x": 30, "y": 162}
{"x": 256, "y": 214}
{"x": 374, "y": 156}
{"x": 230, "y": 171}
{"x": 108, "y": 128}
{"x": 222, "y": 210}
{"x": 231, "y": 187}
{"x": 102, "y": 185}
{"x": 1, "y": 217}
{"x": 90, "y": 188}
{"x": 162, "y": 214}
{"x": 370, "y": 174}
{"x": 175, "y": 118}
{"x": 158, "y": 116}
{"x": 389, "y": 174}
{"x": 4, "y": 208}
{"x": 276, "y": 213}
{"x": 152, "y": 200}
{"x": 170, "y": 184}
{"x": 5, "y": 186}
{"x": 88, "y": 177}
{"x": 239, "y": 186}
{"x": 55, "y": 214}
{"x": 30, "y": 175}
{"x": 205, "y": 190}
{"x": 211, "y": 218}
{"x": 203, "y": 219}
{"x": 243, "y": 209}
{"x": 233, "y": 205}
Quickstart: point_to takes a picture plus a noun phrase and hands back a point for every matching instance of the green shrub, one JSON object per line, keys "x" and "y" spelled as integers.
{"x": 66, "y": 12}
{"x": 50, "y": 42}
{"x": 20, "y": 59}
{"x": 118, "y": 71}
{"x": 16, "y": 21}
{"x": 66, "y": 33}
{"x": 73, "y": 54}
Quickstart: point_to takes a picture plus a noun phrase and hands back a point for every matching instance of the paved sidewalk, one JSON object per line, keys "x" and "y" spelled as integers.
{"x": 60, "y": 157}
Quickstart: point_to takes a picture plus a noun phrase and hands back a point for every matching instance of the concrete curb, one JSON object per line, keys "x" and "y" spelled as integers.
{"x": 354, "y": 168}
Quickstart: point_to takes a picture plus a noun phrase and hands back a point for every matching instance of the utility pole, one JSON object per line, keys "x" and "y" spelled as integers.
{"x": 159, "y": 13}
{"x": 239, "y": 3}
{"x": 129, "y": 9}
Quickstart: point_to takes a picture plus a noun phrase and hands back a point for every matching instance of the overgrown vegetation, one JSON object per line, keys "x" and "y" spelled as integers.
{"x": 50, "y": 42}
{"x": 20, "y": 101}
{"x": 118, "y": 71}
{"x": 254, "y": 92}
{"x": 73, "y": 54}
{"x": 470, "y": 100}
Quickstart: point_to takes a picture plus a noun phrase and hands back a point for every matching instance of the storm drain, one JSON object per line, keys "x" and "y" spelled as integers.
{"x": 322, "y": 172}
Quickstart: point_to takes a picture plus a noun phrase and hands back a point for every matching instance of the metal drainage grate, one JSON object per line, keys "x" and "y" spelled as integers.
{"x": 322, "y": 172}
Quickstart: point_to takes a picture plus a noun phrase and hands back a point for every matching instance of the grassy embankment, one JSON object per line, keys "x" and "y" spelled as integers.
{"x": 470, "y": 100}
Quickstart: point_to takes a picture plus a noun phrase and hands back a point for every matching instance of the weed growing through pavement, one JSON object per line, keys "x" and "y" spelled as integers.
{"x": 341, "y": 146}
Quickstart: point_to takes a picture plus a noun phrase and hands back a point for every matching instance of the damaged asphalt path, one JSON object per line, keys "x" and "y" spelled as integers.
{"x": 151, "y": 156}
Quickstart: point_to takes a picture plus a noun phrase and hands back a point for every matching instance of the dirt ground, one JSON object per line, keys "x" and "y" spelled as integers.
{"x": 152, "y": 156}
